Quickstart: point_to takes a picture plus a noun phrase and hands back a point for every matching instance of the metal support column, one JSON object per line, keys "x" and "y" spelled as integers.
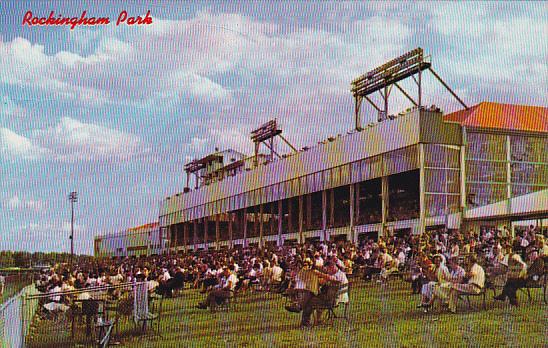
{"x": 245, "y": 227}
{"x": 301, "y": 237}
{"x": 419, "y": 85}
{"x": 463, "y": 202}
{"x": 290, "y": 215}
{"x": 185, "y": 236}
{"x": 351, "y": 198}
{"x": 174, "y": 232}
{"x": 308, "y": 211}
{"x": 422, "y": 196}
{"x": 206, "y": 234}
{"x": 332, "y": 207}
{"x": 324, "y": 213}
{"x": 357, "y": 205}
{"x": 195, "y": 234}
{"x": 280, "y": 222}
{"x": 217, "y": 232}
{"x": 230, "y": 232}
{"x": 385, "y": 200}
{"x": 261, "y": 226}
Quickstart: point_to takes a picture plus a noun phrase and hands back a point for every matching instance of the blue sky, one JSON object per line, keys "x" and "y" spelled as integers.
{"x": 115, "y": 112}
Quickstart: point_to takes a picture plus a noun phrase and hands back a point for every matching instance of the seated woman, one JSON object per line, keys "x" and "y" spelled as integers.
{"x": 456, "y": 276}
{"x": 391, "y": 266}
{"x": 431, "y": 289}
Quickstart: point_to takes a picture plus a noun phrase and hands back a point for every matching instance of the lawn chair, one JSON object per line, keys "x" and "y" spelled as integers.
{"x": 539, "y": 283}
{"x": 104, "y": 333}
{"x": 466, "y": 297}
{"x": 295, "y": 299}
{"x": 334, "y": 293}
{"x": 150, "y": 318}
{"x": 227, "y": 302}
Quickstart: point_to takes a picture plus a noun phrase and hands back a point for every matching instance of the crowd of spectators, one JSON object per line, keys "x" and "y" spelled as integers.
{"x": 431, "y": 262}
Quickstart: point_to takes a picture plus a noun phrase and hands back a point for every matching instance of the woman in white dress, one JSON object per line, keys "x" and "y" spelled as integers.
{"x": 434, "y": 289}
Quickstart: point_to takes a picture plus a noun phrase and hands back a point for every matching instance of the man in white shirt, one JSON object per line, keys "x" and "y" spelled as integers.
{"x": 318, "y": 262}
{"x": 2, "y": 284}
{"x": 277, "y": 273}
{"x": 225, "y": 290}
{"x": 476, "y": 282}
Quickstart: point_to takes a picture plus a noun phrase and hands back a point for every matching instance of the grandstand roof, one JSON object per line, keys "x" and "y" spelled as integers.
{"x": 502, "y": 116}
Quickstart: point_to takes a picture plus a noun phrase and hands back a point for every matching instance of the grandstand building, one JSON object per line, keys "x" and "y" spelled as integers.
{"x": 482, "y": 166}
{"x": 485, "y": 165}
{"x": 137, "y": 241}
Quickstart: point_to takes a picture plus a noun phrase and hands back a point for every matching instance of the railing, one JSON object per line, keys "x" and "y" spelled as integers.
{"x": 12, "y": 319}
{"x": 14, "y": 283}
{"x": 31, "y": 318}
{"x": 80, "y": 317}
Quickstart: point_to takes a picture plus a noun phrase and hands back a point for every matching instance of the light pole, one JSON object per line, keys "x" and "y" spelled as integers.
{"x": 73, "y": 197}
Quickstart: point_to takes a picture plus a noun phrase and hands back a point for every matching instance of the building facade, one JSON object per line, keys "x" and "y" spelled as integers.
{"x": 143, "y": 240}
{"x": 417, "y": 171}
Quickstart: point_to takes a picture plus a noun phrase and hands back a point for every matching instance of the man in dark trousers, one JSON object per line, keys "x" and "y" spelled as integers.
{"x": 327, "y": 293}
{"x": 518, "y": 276}
{"x": 223, "y": 292}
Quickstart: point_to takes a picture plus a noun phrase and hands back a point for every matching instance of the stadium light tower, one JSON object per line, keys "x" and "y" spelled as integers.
{"x": 73, "y": 198}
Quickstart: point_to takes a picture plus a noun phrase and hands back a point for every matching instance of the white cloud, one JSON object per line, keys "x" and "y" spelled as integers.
{"x": 15, "y": 146}
{"x": 46, "y": 236}
{"x": 72, "y": 140}
{"x": 499, "y": 53}
{"x": 16, "y": 203}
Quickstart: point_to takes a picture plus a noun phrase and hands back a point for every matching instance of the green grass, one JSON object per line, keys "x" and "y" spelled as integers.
{"x": 381, "y": 316}
{"x": 13, "y": 287}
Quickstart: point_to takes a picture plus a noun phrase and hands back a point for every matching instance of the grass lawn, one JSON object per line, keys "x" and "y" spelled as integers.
{"x": 381, "y": 316}
{"x": 12, "y": 288}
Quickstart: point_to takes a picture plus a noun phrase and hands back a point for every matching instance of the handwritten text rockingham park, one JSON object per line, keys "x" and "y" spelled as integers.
{"x": 55, "y": 20}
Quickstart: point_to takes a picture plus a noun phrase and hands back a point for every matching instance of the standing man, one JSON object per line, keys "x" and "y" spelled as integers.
{"x": 2, "y": 285}
{"x": 335, "y": 277}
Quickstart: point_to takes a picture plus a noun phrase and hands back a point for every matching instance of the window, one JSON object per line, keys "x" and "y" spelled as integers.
{"x": 529, "y": 149}
{"x": 527, "y": 173}
{"x": 483, "y": 194}
{"x": 521, "y": 190}
{"x": 401, "y": 160}
{"x": 441, "y": 156}
{"x": 486, "y": 171}
{"x": 486, "y": 146}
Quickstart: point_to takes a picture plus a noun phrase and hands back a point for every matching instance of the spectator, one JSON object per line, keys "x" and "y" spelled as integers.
{"x": 518, "y": 276}
{"x": 476, "y": 282}
{"x": 223, "y": 292}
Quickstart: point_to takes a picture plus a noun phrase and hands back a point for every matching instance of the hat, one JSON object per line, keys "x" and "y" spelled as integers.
{"x": 532, "y": 250}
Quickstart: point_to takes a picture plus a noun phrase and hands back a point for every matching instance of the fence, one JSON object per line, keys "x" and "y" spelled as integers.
{"x": 68, "y": 318}
{"x": 13, "y": 319}
{"x": 13, "y": 283}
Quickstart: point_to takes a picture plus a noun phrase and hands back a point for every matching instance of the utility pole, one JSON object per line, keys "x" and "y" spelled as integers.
{"x": 73, "y": 198}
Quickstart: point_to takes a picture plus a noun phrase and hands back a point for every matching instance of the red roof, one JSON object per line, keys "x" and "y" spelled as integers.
{"x": 502, "y": 116}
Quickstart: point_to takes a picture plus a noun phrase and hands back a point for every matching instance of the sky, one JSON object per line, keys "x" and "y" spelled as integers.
{"x": 114, "y": 112}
